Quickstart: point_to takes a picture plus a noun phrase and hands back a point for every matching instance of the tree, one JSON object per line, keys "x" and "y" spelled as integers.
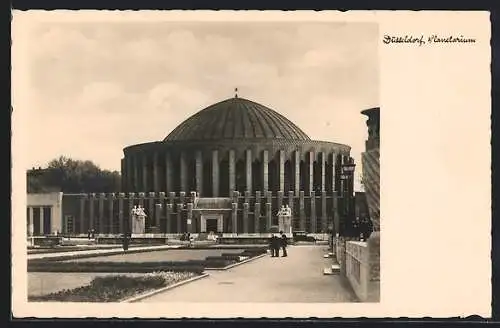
{"x": 73, "y": 176}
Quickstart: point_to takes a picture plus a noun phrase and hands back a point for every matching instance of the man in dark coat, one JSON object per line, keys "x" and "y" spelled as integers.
{"x": 284, "y": 243}
{"x": 274, "y": 245}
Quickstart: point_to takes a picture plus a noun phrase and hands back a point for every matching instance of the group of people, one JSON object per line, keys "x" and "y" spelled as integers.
{"x": 276, "y": 242}
{"x": 362, "y": 227}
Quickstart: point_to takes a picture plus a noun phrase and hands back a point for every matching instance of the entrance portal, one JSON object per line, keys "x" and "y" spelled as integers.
{"x": 212, "y": 225}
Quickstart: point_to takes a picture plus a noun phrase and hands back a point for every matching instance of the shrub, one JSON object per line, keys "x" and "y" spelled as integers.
{"x": 51, "y": 266}
{"x": 114, "y": 288}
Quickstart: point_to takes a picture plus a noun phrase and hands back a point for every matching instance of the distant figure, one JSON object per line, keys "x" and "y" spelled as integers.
{"x": 125, "y": 242}
{"x": 88, "y": 234}
{"x": 288, "y": 210}
{"x": 274, "y": 246}
{"x": 284, "y": 243}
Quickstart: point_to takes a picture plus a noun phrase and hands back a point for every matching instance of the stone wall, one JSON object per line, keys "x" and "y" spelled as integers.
{"x": 362, "y": 269}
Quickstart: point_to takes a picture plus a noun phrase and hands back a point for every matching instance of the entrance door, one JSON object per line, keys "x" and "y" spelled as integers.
{"x": 212, "y": 225}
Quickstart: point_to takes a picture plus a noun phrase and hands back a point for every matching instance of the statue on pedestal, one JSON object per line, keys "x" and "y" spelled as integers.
{"x": 138, "y": 220}
{"x": 285, "y": 220}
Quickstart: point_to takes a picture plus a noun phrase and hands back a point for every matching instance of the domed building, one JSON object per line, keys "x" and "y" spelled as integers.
{"x": 228, "y": 168}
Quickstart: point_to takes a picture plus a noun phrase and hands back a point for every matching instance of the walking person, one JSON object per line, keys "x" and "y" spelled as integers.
{"x": 284, "y": 244}
{"x": 276, "y": 245}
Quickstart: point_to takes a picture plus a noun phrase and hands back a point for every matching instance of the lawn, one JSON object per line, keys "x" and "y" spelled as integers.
{"x": 164, "y": 255}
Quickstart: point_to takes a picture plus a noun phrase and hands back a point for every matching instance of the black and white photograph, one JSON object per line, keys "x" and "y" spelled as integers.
{"x": 223, "y": 160}
{"x": 204, "y": 154}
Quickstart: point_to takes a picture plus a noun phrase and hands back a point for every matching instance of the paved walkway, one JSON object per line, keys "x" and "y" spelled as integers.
{"x": 98, "y": 251}
{"x": 296, "y": 278}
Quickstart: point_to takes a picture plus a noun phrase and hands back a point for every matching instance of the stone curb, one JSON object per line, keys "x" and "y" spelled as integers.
{"x": 236, "y": 264}
{"x": 65, "y": 256}
{"x": 157, "y": 291}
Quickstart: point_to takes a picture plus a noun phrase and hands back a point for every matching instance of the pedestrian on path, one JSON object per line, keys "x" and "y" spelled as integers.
{"x": 284, "y": 243}
{"x": 274, "y": 245}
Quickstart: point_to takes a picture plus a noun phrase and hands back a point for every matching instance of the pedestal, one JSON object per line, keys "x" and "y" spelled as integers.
{"x": 285, "y": 224}
{"x": 138, "y": 224}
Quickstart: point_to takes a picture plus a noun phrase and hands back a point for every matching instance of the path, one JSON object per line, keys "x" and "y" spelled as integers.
{"x": 296, "y": 278}
{"x": 98, "y": 252}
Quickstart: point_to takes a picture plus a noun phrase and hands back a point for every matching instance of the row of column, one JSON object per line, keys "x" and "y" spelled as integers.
{"x": 31, "y": 219}
{"x": 132, "y": 164}
{"x": 154, "y": 211}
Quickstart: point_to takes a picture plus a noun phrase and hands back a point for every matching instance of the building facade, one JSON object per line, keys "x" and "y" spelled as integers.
{"x": 371, "y": 165}
{"x": 228, "y": 168}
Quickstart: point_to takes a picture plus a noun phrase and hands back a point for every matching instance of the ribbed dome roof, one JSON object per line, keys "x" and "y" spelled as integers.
{"x": 236, "y": 118}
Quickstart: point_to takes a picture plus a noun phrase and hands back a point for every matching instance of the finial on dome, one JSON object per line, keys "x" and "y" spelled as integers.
{"x": 235, "y": 92}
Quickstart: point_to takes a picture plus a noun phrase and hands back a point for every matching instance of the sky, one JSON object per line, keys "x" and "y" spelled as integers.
{"x": 97, "y": 87}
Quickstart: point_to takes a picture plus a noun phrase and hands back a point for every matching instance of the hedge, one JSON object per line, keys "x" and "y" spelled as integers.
{"x": 60, "y": 265}
{"x": 113, "y": 288}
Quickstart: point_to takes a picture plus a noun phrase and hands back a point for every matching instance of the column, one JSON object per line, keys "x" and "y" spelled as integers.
{"x": 111, "y": 198}
{"x": 131, "y": 196}
{"x": 248, "y": 169}
{"x": 281, "y": 170}
{"x": 145, "y": 186}
{"x": 234, "y": 218}
{"x": 102, "y": 229}
{"x": 335, "y": 211}
{"x": 41, "y": 229}
{"x": 258, "y": 196}
{"x": 256, "y": 212}
{"x": 310, "y": 172}
{"x": 30, "y": 221}
{"x": 199, "y": 172}
{"x": 334, "y": 164}
{"x": 162, "y": 206}
{"x": 183, "y": 172}
{"x": 247, "y": 197}
{"x": 137, "y": 187}
{"x": 156, "y": 171}
{"x": 91, "y": 211}
{"x": 123, "y": 171}
{"x": 312, "y": 215}
{"x": 269, "y": 221}
{"x": 324, "y": 217}
{"x": 168, "y": 217}
{"x": 215, "y": 173}
{"x": 168, "y": 173}
{"x": 130, "y": 174}
{"x": 189, "y": 222}
{"x": 290, "y": 201}
{"x": 296, "y": 172}
{"x": 151, "y": 200}
{"x": 182, "y": 197}
{"x": 269, "y": 196}
{"x": 179, "y": 218}
{"x": 280, "y": 199}
{"x": 302, "y": 216}
{"x": 265, "y": 170}
{"x": 171, "y": 197}
{"x": 232, "y": 171}
{"x": 121, "y": 225}
{"x": 323, "y": 169}
{"x": 246, "y": 228}
{"x": 82, "y": 215}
